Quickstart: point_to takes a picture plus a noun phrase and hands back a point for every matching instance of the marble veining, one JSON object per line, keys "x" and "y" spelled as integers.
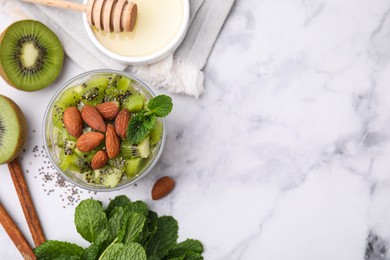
{"x": 286, "y": 155}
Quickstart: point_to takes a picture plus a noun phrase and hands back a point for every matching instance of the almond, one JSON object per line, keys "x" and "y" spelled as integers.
{"x": 89, "y": 141}
{"x": 162, "y": 187}
{"x": 108, "y": 110}
{"x": 122, "y": 122}
{"x": 73, "y": 122}
{"x": 99, "y": 160}
{"x": 92, "y": 118}
{"x": 112, "y": 142}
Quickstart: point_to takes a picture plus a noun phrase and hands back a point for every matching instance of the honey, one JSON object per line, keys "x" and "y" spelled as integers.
{"x": 158, "y": 23}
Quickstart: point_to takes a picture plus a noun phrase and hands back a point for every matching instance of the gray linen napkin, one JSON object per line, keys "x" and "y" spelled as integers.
{"x": 180, "y": 73}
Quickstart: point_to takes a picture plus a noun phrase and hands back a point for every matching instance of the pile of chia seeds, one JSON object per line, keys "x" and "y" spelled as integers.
{"x": 52, "y": 182}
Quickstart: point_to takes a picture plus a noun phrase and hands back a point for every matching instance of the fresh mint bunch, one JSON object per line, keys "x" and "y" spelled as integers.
{"x": 142, "y": 123}
{"x": 124, "y": 230}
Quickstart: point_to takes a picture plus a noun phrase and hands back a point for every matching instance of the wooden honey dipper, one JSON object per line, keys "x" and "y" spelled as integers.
{"x": 106, "y": 15}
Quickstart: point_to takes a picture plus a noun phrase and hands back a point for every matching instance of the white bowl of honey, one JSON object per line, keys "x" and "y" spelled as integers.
{"x": 160, "y": 27}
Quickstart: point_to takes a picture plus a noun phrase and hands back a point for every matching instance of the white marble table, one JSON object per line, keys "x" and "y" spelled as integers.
{"x": 287, "y": 155}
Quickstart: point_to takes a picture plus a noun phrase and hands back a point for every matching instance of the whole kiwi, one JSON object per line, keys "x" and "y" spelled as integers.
{"x": 31, "y": 55}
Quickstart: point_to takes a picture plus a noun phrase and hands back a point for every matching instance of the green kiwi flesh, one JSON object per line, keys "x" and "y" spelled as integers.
{"x": 12, "y": 130}
{"x": 92, "y": 92}
{"x": 31, "y": 55}
{"x": 117, "y": 88}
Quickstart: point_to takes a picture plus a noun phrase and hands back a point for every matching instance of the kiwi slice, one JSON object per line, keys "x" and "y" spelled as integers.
{"x": 134, "y": 103}
{"x": 12, "y": 130}
{"x": 31, "y": 55}
{"x": 142, "y": 150}
{"x": 117, "y": 88}
{"x": 92, "y": 92}
{"x": 107, "y": 176}
{"x": 133, "y": 167}
{"x": 156, "y": 132}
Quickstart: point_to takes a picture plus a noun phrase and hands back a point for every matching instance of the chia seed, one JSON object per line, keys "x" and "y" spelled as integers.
{"x": 52, "y": 182}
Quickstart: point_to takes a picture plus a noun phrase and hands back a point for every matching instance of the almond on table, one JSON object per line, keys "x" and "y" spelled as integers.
{"x": 162, "y": 187}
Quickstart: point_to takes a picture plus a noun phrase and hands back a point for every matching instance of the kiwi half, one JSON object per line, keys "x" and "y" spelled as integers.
{"x": 12, "y": 130}
{"x": 31, "y": 55}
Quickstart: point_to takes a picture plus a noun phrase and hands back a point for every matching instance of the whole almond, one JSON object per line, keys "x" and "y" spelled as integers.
{"x": 112, "y": 142}
{"x": 99, "y": 160}
{"x": 89, "y": 141}
{"x": 92, "y": 118}
{"x": 162, "y": 187}
{"x": 122, "y": 122}
{"x": 73, "y": 121}
{"x": 108, "y": 110}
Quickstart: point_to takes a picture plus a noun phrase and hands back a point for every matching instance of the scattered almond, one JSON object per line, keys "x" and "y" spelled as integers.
{"x": 108, "y": 110}
{"x": 92, "y": 118}
{"x": 73, "y": 121}
{"x": 122, "y": 122}
{"x": 89, "y": 141}
{"x": 112, "y": 142}
{"x": 162, "y": 187}
{"x": 99, "y": 160}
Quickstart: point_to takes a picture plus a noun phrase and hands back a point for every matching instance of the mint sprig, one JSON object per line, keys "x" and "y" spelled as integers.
{"x": 139, "y": 127}
{"x": 129, "y": 231}
{"x": 142, "y": 123}
{"x": 160, "y": 106}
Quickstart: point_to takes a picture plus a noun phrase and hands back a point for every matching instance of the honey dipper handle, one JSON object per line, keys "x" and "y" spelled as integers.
{"x": 60, "y": 4}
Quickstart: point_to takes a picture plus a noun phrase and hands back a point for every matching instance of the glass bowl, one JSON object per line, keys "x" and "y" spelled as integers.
{"x": 53, "y": 150}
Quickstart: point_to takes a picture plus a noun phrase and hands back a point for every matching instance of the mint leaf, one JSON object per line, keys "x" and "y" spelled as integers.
{"x": 139, "y": 127}
{"x": 132, "y": 227}
{"x": 138, "y": 207}
{"x": 133, "y": 251}
{"x": 193, "y": 256}
{"x": 55, "y": 249}
{"x": 94, "y": 250}
{"x": 185, "y": 248}
{"x": 178, "y": 258}
{"x": 164, "y": 238}
{"x": 119, "y": 251}
{"x": 115, "y": 222}
{"x": 90, "y": 219}
{"x": 66, "y": 258}
{"x": 150, "y": 228}
{"x": 134, "y": 207}
{"x": 112, "y": 251}
{"x": 161, "y": 105}
{"x": 119, "y": 201}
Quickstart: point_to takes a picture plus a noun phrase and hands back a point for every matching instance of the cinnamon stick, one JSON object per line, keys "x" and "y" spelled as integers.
{"x": 15, "y": 235}
{"x": 26, "y": 202}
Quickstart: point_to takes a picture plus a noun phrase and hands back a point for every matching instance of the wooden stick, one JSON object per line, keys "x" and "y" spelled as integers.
{"x": 15, "y": 235}
{"x": 61, "y": 4}
{"x": 26, "y": 202}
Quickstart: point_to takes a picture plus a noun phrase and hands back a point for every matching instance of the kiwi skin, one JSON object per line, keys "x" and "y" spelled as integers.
{"x": 2, "y": 73}
{"x": 23, "y": 126}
